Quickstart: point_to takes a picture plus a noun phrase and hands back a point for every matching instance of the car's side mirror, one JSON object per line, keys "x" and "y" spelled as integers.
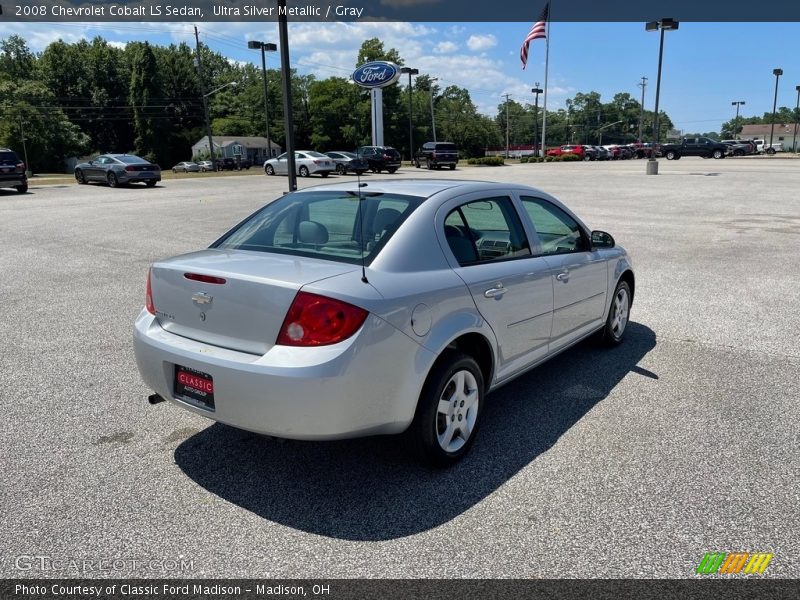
{"x": 601, "y": 239}
{"x": 91, "y": 162}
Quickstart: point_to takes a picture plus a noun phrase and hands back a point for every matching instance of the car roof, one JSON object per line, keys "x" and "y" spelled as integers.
{"x": 418, "y": 187}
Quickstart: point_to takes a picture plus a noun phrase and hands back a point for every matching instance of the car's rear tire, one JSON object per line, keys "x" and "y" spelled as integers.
{"x": 151, "y": 183}
{"x": 671, "y": 155}
{"x": 770, "y": 151}
{"x": 449, "y": 410}
{"x": 618, "y": 315}
{"x": 303, "y": 171}
{"x": 22, "y": 188}
{"x": 717, "y": 154}
{"x": 738, "y": 152}
{"x": 340, "y": 169}
{"x": 79, "y": 177}
{"x": 452, "y": 167}
{"x": 174, "y": 170}
{"x": 324, "y": 174}
{"x": 112, "y": 180}
{"x": 269, "y": 170}
{"x": 392, "y": 170}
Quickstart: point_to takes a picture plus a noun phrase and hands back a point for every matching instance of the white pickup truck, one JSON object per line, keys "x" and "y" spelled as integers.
{"x": 763, "y": 148}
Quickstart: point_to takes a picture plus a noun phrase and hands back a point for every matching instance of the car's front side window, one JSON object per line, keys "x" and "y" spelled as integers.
{"x": 484, "y": 231}
{"x": 558, "y": 232}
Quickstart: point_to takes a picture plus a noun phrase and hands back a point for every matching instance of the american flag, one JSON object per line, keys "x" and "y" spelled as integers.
{"x": 537, "y": 32}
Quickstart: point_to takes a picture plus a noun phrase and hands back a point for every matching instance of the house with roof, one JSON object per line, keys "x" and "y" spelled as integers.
{"x": 784, "y": 133}
{"x": 232, "y": 146}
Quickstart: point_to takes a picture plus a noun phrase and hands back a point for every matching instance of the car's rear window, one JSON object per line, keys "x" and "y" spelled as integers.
{"x": 332, "y": 225}
{"x": 130, "y": 159}
{"x": 8, "y": 158}
{"x": 447, "y": 147}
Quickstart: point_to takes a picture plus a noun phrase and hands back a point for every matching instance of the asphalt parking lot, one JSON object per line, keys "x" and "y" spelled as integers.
{"x": 632, "y": 462}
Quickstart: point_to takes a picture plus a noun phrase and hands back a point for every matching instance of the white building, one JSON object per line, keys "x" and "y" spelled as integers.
{"x": 231, "y": 146}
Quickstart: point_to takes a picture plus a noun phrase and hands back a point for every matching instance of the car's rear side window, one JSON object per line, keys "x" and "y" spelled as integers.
{"x": 337, "y": 226}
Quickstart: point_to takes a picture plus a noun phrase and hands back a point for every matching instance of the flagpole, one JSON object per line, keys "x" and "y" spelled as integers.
{"x": 546, "y": 71}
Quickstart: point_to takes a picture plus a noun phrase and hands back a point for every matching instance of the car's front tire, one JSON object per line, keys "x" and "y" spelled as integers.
{"x": 618, "y": 314}
{"x": 717, "y": 154}
{"x": 269, "y": 170}
{"x": 112, "y": 179}
{"x": 303, "y": 171}
{"x": 449, "y": 410}
{"x": 671, "y": 155}
{"x": 340, "y": 169}
{"x": 79, "y": 177}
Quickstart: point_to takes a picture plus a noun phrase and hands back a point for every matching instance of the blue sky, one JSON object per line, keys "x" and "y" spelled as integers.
{"x": 706, "y": 65}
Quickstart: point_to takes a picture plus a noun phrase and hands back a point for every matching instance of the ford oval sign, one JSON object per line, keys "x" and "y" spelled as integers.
{"x": 376, "y": 74}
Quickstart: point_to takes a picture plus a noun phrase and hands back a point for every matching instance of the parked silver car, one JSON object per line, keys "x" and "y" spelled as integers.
{"x": 118, "y": 169}
{"x": 307, "y": 162}
{"x": 186, "y": 166}
{"x": 342, "y": 311}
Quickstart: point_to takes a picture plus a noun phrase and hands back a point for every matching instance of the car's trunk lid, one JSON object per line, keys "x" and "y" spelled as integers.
{"x": 245, "y": 310}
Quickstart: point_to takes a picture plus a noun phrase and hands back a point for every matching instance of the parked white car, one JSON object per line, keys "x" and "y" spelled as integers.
{"x": 307, "y": 162}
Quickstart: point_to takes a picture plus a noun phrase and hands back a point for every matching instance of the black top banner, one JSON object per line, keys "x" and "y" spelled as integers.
{"x": 401, "y": 10}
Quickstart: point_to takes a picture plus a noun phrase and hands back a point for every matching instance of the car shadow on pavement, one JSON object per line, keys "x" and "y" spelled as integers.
{"x": 372, "y": 489}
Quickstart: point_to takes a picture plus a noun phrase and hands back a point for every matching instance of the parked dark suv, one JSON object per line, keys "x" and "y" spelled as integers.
{"x": 380, "y": 158}
{"x": 435, "y": 155}
{"x": 12, "y": 171}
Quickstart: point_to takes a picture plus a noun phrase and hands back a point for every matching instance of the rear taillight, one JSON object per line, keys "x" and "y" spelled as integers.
{"x": 129, "y": 168}
{"x": 387, "y": 157}
{"x": 148, "y": 296}
{"x": 315, "y": 320}
{"x": 20, "y": 166}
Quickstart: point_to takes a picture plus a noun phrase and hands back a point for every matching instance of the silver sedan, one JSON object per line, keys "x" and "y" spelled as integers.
{"x": 306, "y": 163}
{"x": 342, "y": 311}
{"x": 117, "y": 170}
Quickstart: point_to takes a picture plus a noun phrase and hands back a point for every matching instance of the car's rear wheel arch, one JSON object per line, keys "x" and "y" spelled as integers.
{"x": 477, "y": 347}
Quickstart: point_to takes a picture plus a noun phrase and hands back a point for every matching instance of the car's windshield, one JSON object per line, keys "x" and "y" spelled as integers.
{"x": 333, "y": 225}
{"x": 8, "y": 158}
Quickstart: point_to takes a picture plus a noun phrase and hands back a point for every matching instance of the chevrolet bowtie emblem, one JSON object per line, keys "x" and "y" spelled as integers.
{"x": 202, "y": 298}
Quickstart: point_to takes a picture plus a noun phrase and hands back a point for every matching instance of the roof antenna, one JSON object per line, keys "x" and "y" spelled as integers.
{"x": 361, "y": 224}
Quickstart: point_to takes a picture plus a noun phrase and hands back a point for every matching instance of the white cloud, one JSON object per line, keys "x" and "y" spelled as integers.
{"x": 445, "y": 47}
{"x": 476, "y": 43}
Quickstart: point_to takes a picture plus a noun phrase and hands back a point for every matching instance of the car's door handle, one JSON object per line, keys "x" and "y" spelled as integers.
{"x": 563, "y": 277}
{"x": 495, "y": 291}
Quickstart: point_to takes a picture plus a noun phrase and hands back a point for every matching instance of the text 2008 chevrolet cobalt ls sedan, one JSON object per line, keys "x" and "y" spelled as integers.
{"x": 342, "y": 311}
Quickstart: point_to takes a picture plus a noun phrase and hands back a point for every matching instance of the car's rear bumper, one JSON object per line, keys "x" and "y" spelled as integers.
{"x": 139, "y": 177}
{"x": 367, "y": 385}
{"x": 13, "y": 181}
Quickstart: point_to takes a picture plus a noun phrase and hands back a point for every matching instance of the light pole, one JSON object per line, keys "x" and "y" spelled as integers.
{"x": 433, "y": 116}
{"x": 410, "y": 72}
{"x": 286, "y": 83}
{"x": 537, "y": 90}
{"x": 737, "y": 104}
{"x": 264, "y": 47}
{"x": 28, "y": 171}
{"x": 796, "y": 118}
{"x": 663, "y": 25}
{"x": 777, "y": 73}
{"x": 199, "y": 62}
{"x": 643, "y": 85}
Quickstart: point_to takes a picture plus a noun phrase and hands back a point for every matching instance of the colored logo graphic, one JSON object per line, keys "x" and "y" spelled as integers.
{"x": 734, "y": 562}
{"x": 376, "y": 74}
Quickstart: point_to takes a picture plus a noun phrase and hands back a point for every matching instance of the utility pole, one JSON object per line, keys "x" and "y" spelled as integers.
{"x": 642, "y": 85}
{"x": 507, "y": 97}
{"x": 205, "y": 101}
{"x": 433, "y": 116}
{"x": 25, "y": 148}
